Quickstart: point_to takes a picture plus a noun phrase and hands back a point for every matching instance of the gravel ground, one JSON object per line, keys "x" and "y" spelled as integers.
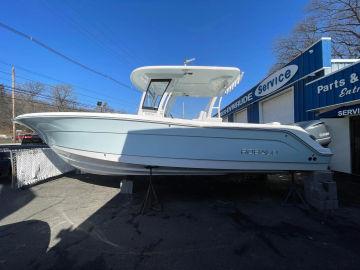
{"x": 83, "y": 222}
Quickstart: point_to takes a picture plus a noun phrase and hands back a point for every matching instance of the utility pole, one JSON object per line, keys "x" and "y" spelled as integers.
{"x": 13, "y": 100}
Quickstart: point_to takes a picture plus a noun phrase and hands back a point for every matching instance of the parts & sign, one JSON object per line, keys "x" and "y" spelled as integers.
{"x": 352, "y": 81}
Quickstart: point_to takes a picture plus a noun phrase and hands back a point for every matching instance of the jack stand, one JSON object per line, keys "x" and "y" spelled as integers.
{"x": 294, "y": 193}
{"x": 151, "y": 199}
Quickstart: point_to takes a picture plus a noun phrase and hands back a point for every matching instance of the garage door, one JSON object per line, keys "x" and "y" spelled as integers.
{"x": 241, "y": 116}
{"x": 278, "y": 109}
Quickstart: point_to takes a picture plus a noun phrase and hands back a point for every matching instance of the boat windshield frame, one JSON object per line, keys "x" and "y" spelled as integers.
{"x": 154, "y": 97}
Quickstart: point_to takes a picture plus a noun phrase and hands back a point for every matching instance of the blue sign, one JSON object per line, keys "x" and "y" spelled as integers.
{"x": 341, "y": 112}
{"x": 340, "y": 87}
{"x": 313, "y": 59}
{"x": 272, "y": 83}
{"x": 276, "y": 80}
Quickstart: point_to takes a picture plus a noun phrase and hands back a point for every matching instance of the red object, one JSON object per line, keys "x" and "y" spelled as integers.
{"x": 20, "y": 137}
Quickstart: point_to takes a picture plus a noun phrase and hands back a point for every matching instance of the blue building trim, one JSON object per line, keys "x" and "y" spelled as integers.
{"x": 253, "y": 113}
{"x": 326, "y": 53}
{"x": 314, "y": 92}
{"x": 310, "y": 62}
{"x": 300, "y": 112}
{"x": 336, "y": 88}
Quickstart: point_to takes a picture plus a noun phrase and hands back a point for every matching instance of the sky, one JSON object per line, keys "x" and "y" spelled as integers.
{"x": 116, "y": 36}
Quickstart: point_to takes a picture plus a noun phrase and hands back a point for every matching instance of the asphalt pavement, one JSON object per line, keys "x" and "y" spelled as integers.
{"x": 83, "y": 222}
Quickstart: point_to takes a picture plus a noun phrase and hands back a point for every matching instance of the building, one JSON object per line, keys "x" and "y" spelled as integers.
{"x": 311, "y": 86}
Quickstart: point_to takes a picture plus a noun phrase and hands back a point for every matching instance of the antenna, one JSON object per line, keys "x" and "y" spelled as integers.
{"x": 188, "y": 61}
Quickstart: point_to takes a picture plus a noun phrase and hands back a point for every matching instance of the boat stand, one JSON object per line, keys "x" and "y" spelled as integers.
{"x": 294, "y": 194}
{"x": 151, "y": 200}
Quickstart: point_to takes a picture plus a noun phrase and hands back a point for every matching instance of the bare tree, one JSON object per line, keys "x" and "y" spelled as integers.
{"x": 32, "y": 89}
{"x": 28, "y": 94}
{"x": 339, "y": 19}
{"x": 287, "y": 48}
{"x": 2, "y": 90}
{"x": 5, "y": 112}
{"x": 63, "y": 97}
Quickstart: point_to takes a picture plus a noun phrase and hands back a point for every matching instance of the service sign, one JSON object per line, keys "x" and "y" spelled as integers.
{"x": 339, "y": 87}
{"x": 271, "y": 84}
{"x": 342, "y": 112}
{"x": 276, "y": 80}
{"x": 314, "y": 59}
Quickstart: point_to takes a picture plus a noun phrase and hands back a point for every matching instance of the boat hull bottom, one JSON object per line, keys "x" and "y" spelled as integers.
{"x": 106, "y": 164}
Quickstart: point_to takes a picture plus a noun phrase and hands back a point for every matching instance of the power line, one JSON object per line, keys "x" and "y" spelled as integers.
{"x": 57, "y": 80}
{"x": 83, "y": 30}
{"x": 50, "y": 49}
{"x": 43, "y": 104}
{"x": 37, "y": 102}
{"x": 100, "y": 26}
{"x": 53, "y": 86}
{"x": 45, "y": 97}
{"x": 23, "y": 91}
{"x": 44, "y": 100}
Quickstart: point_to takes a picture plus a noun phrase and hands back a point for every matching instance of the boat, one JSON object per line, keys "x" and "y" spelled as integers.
{"x": 130, "y": 144}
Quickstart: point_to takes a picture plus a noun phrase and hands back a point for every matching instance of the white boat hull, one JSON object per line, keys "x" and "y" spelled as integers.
{"x": 115, "y": 144}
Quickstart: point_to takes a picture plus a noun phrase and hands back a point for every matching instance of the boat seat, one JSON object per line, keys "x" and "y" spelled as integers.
{"x": 202, "y": 115}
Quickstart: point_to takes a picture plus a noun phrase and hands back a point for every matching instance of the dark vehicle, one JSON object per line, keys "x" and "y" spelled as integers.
{"x": 5, "y": 164}
{"x": 31, "y": 139}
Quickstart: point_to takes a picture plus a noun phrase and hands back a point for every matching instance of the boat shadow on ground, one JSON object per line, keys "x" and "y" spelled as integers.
{"x": 12, "y": 199}
{"x": 21, "y": 242}
{"x": 206, "y": 223}
{"x": 184, "y": 187}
